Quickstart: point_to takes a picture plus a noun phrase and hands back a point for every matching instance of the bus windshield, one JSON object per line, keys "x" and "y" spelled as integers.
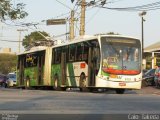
{"x": 121, "y": 56}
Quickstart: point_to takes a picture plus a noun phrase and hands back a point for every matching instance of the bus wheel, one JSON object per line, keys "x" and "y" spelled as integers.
{"x": 93, "y": 89}
{"x": 56, "y": 84}
{"x": 84, "y": 89}
{"x": 56, "y": 87}
{"x": 4, "y": 85}
{"x": 120, "y": 91}
{"x": 27, "y": 84}
{"x": 81, "y": 89}
{"x": 63, "y": 88}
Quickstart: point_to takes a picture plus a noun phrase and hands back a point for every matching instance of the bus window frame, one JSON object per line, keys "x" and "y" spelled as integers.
{"x": 64, "y": 49}
{"x": 57, "y": 55}
{"x": 33, "y": 62}
{"x": 38, "y": 55}
{"x": 79, "y": 51}
{"x": 75, "y": 52}
{"x": 72, "y": 53}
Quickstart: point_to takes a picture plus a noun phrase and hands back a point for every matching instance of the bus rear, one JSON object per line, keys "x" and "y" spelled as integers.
{"x": 33, "y": 68}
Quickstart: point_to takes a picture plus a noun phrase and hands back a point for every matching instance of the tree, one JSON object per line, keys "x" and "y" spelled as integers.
{"x": 33, "y": 37}
{"x": 7, "y": 63}
{"x": 10, "y": 11}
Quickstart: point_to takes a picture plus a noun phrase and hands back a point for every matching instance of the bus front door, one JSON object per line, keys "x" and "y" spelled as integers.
{"x": 21, "y": 71}
{"x": 40, "y": 70}
{"x": 91, "y": 73}
{"x": 93, "y": 65}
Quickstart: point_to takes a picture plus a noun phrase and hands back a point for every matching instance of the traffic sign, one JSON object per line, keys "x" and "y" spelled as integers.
{"x": 56, "y": 21}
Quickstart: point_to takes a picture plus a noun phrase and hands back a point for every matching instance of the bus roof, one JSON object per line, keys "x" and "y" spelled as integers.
{"x": 91, "y": 37}
{"x": 114, "y": 35}
{"x": 77, "y": 39}
{"x": 34, "y": 49}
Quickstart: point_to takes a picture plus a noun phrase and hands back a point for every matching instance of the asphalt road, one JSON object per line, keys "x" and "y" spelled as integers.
{"x": 41, "y": 102}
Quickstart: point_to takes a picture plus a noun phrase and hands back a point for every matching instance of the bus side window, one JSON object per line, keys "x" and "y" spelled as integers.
{"x": 79, "y": 50}
{"x": 85, "y": 52}
{"x": 65, "y": 50}
{"x": 31, "y": 59}
{"x": 57, "y": 55}
{"x": 72, "y": 52}
{"x": 53, "y": 55}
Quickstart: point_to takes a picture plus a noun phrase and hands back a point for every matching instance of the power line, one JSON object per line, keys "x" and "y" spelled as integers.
{"x": 10, "y": 41}
{"x": 113, "y": 1}
{"x": 64, "y": 5}
{"x": 147, "y": 7}
{"x": 12, "y": 24}
{"x": 61, "y": 35}
{"x": 3, "y": 36}
{"x": 93, "y": 16}
{"x": 76, "y": 9}
{"x": 76, "y": 5}
{"x": 143, "y": 6}
{"x": 62, "y": 15}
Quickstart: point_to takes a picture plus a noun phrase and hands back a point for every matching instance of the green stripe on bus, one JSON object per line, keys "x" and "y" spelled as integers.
{"x": 104, "y": 73}
{"x": 56, "y": 69}
{"x": 71, "y": 74}
{"x": 67, "y": 81}
{"x": 32, "y": 73}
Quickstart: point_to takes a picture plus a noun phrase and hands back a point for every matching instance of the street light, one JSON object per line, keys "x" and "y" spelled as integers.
{"x": 141, "y": 15}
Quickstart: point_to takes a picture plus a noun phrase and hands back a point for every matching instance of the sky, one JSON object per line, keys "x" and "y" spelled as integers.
{"x": 98, "y": 20}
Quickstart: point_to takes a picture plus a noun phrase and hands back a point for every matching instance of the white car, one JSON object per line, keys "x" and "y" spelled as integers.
{"x": 11, "y": 80}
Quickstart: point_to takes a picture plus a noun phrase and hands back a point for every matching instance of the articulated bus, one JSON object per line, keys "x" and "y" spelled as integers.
{"x": 33, "y": 67}
{"x": 87, "y": 62}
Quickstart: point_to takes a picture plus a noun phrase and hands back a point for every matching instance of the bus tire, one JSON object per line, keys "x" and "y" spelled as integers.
{"x": 4, "y": 85}
{"x": 63, "y": 88}
{"x": 81, "y": 89}
{"x": 92, "y": 89}
{"x": 27, "y": 83}
{"x": 120, "y": 91}
{"x": 56, "y": 87}
{"x": 56, "y": 84}
{"x": 84, "y": 89}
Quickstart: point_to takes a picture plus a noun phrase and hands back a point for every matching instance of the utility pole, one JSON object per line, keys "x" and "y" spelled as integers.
{"x": 142, "y": 20}
{"x": 19, "y": 46}
{"x": 71, "y": 31}
{"x": 82, "y": 21}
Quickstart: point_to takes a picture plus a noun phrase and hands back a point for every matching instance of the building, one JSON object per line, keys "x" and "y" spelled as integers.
{"x": 152, "y": 56}
{"x": 7, "y": 51}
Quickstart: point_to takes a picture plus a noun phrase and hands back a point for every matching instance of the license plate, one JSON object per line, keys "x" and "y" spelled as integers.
{"x": 122, "y": 84}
